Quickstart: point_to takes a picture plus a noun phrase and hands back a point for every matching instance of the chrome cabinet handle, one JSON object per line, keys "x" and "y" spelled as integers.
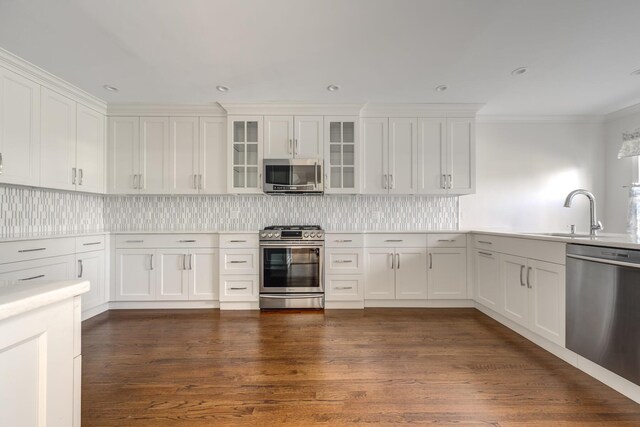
{"x": 521, "y": 278}
{"x": 184, "y": 262}
{"x": 73, "y": 176}
{"x": 151, "y": 262}
{"x": 385, "y": 183}
{"x": 528, "y": 278}
{"x": 398, "y": 261}
{"x": 237, "y": 241}
{"x": 237, "y": 262}
{"x": 485, "y": 253}
{"x": 343, "y": 241}
{"x": 190, "y": 261}
{"x": 485, "y": 242}
{"x": 31, "y": 278}
{"x": 393, "y": 266}
{"x": 200, "y": 182}
{"x": 315, "y": 173}
{"x": 186, "y": 241}
{"x": 343, "y": 261}
{"x": 391, "y": 182}
{"x": 195, "y": 177}
{"x": 450, "y": 181}
{"x": 430, "y": 261}
{"x": 341, "y": 288}
{"x": 290, "y": 145}
{"x": 134, "y": 241}
{"x": 81, "y": 176}
{"x": 238, "y": 289}
{"x": 141, "y": 181}
{"x": 446, "y": 240}
{"x": 296, "y": 148}
{"x": 80, "y": 269}
{"x": 1, "y": 163}
{"x": 32, "y": 250}
{"x": 394, "y": 240}
{"x": 443, "y": 181}
{"x": 135, "y": 181}
{"x": 91, "y": 243}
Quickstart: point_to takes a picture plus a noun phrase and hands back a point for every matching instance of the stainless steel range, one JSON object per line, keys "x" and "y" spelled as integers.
{"x": 291, "y": 267}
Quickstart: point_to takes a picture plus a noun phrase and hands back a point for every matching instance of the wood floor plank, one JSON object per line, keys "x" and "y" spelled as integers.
{"x": 374, "y": 366}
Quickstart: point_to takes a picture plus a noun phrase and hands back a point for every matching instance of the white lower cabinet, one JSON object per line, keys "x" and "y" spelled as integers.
{"x": 135, "y": 275}
{"x": 347, "y": 287}
{"x": 395, "y": 273}
{"x": 173, "y": 279}
{"x": 90, "y": 266}
{"x": 239, "y": 288}
{"x": 54, "y": 268}
{"x": 239, "y": 271}
{"x": 204, "y": 274}
{"x": 344, "y": 269}
{"x": 447, "y": 273}
{"x": 487, "y": 279}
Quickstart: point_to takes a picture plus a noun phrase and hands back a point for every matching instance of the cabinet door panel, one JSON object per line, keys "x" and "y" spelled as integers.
{"x": 341, "y": 155}
{"x": 308, "y": 137}
{"x": 244, "y": 154}
{"x": 90, "y": 150}
{"x": 172, "y": 275}
{"x": 213, "y": 155}
{"x": 447, "y": 276}
{"x": 380, "y": 275}
{"x": 461, "y": 155}
{"x": 547, "y": 300}
{"x": 411, "y": 273}
{"x": 135, "y": 275}
{"x": 204, "y": 274}
{"x": 90, "y": 267}
{"x": 278, "y": 137}
{"x": 154, "y": 155}
{"x": 19, "y": 129}
{"x": 183, "y": 156}
{"x": 431, "y": 156}
{"x": 487, "y": 280}
{"x": 124, "y": 154}
{"x": 403, "y": 156}
{"x": 515, "y": 289}
{"x": 375, "y": 153}
{"x": 58, "y": 141}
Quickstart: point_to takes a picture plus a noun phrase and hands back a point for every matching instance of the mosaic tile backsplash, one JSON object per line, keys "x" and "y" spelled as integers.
{"x": 228, "y": 213}
{"x": 39, "y": 211}
{"x": 31, "y": 211}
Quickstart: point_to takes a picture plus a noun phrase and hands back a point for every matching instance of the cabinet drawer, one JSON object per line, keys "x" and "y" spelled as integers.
{"x": 344, "y": 288}
{"x": 344, "y": 240}
{"x": 239, "y": 261}
{"x": 166, "y": 241}
{"x": 400, "y": 240}
{"x": 454, "y": 240}
{"x": 90, "y": 243}
{"x": 25, "y": 250}
{"x": 239, "y": 288}
{"x": 484, "y": 241}
{"x": 344, "y": 261}
{"x": 240, "y": 240}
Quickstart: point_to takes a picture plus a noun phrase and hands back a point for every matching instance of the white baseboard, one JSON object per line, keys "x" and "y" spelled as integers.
{"x": 144, "y": 305}
{"x": 239, "y": 306}
{"x": 88, "y": 314}
{"x": 616, "y": 382}
{"x": 331, "y": 305}
{"x": 440, "y": 303}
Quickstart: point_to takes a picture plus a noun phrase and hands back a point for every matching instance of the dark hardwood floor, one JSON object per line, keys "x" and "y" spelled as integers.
{"x": 374, "y": 366}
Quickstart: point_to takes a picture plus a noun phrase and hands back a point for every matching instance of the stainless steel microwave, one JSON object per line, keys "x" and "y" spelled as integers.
{"x": 293, "y": 176}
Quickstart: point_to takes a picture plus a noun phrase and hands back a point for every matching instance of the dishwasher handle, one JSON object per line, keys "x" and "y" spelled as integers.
{"x": 604, "y": 261}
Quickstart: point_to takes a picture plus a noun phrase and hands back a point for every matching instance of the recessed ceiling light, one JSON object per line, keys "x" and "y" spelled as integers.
{"x": 333, "y": 88}
{"x": 441, "y": 88}
{"x": 519, "y": 71}
{"x": 111, "y": 88}
{"x": 636, "y": 73}
{"x": 221, "y": 88}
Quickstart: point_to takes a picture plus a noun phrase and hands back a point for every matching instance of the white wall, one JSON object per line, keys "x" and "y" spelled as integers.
{"x": 526, "y": 169}
{"x": 619, "y": 172}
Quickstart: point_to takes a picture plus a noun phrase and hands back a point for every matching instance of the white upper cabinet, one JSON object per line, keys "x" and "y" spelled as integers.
{"x": 58, "y": 141}
{"x": 461, "y": 156}
{"x": 432, "y": 156}
{"x": 278, "y": 137}
{"x": 288, "y": 137}
{"x": 245, "y": 154}
{"x": 308, "y": 139}
{"x": 213, "y": 155}
{"x": 402, "y": 156}
{"x": 154, "y": 173}
{"x": 90, "y": 150}
{"x": 19, "y": 129}
{"x": 183, "y": 157}
{"x": 375, "y": 152}
{"x": 341, "y": 155}
{"x": 124, "y": 154}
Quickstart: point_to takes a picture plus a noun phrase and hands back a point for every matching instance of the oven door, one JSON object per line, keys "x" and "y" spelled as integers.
{"x": 293, "y": 176}
{"x": 291, "y": 268}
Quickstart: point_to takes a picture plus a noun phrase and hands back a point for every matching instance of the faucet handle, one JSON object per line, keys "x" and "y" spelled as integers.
{"x": 600, "y": 226}
{"x": 573, "y": 228}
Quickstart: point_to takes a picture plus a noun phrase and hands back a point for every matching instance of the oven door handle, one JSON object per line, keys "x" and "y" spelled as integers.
{"x": 291, "y": 296}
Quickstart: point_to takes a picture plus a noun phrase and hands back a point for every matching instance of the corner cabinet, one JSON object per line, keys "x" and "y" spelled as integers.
{"x": 245, "y": 154}
{"x": 341, "y": 155}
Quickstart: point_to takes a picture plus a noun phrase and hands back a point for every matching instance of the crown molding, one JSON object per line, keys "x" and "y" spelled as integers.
{"x": 26, "y": 69}
{"x": 292, "y": 108}
{"x": 165, "y": 110}
{"x": 420, "y": 110}
{"x": 624, "y": 112}
{"x": 540, "y": 119}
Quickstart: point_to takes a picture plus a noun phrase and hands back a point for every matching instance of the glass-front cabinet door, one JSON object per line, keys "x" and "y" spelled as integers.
{"x": 341, "y": 155}
{"x": 245, "y": 154}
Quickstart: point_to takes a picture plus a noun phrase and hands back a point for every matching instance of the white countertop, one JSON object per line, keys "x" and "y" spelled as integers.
{"x": 613, "y": 240}
{"x": 19, "y": 297}
{"x": 40, "y": 236}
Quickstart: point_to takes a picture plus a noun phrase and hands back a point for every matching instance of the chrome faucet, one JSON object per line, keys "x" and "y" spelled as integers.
{"x": 595, "y": 224}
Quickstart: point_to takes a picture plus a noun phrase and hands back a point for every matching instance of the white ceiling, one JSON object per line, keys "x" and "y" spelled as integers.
{"x": 580, "y": 52}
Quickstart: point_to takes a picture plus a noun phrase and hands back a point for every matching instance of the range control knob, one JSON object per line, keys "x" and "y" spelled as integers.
{"x": 319, "y": 235}
{"x": 305, "y": 234}
{"x": 276, "y": 235}
{"x": 263, "y": 235}
{"x": 270, "y": 235}
{"x": 312, "y": 234}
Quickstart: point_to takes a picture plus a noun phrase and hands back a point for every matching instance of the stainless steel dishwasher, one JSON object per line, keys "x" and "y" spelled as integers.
{"x": 603, "y": 307}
